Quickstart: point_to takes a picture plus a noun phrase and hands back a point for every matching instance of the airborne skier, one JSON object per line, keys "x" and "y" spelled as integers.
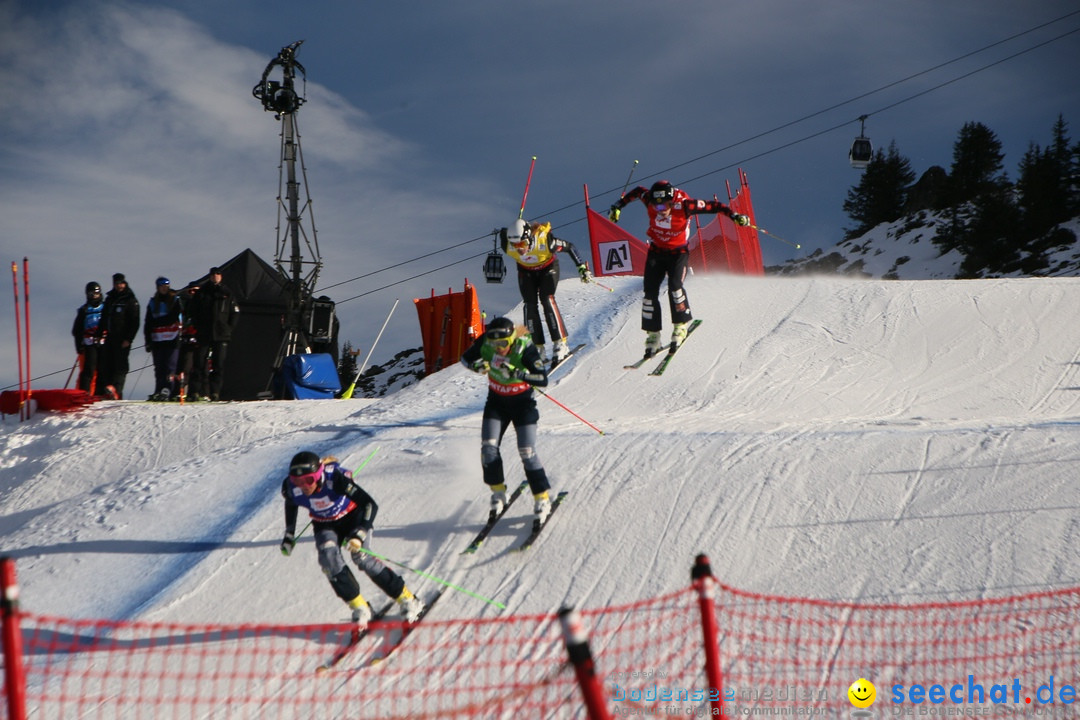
{"x": 669, "y": 234}
{"x": 513, "y": 367}
{"x": 533, "y": 247}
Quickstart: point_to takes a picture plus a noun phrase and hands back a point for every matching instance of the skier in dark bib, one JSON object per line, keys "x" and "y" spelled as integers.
{"x": 342, "y": 515}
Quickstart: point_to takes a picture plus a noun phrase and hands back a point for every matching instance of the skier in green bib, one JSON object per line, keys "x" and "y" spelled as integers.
{"x": 513, "y": 366}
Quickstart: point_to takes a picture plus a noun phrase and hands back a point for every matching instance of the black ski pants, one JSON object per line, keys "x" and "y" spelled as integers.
{"x": 538, "y": 290}
{"x": 658, "y": 265}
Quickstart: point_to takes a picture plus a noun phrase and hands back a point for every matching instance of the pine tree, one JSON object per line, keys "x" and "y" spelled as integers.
{"x": 982, "y": 218}
{"x": 977, "y": 164}
{"x": 1043, "y": 186}
{"x": 881, "y": 193}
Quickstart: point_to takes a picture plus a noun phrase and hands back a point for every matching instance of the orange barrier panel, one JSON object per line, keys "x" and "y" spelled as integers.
{"x": 448, "y": 325}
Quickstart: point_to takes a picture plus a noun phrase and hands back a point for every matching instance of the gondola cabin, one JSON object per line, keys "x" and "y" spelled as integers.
{"x": 494, "y": 268}
{"x": 860, "y": 153}
{"x": 861, "y": 150}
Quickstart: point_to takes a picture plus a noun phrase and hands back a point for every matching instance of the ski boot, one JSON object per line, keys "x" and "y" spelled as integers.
{"x": 559, "y": 353}
{"x": 411, "y": 606}
{"x": 498, "y": 501}
{"x": 678, "y": 335}
{"x": 652, "y": 343}
{"x": 541, "y": 508}
{"x": 361, "y": 611}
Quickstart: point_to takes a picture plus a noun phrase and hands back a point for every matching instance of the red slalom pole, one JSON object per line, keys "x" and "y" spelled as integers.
{"x": 528, "y": 181}
{"x": 568, "y": 410}
{"x": 26, "y": 294}
{"x": 18, "y": 332}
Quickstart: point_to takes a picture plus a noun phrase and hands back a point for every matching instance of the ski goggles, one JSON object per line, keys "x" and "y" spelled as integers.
{"x": 662, "y": 207}
{"x": 305, "y": 480}
{"x": 501, "y": 343}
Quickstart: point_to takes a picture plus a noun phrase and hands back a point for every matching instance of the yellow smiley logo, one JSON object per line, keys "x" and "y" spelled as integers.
{"x": 862, "y": 693}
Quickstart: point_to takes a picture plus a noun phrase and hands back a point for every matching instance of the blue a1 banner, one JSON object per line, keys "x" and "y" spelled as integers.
{"x": 614, "y": 251}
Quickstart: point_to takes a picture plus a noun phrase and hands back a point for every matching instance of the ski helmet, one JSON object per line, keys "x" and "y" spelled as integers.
{"x": 499, "y": 329}
{"x": 93, "y": 289}
{"x": 162, "y": 281}
{"x": 520, "y": 232}
{"x": 304, "y": 464}
{"x": 661, "y": 192}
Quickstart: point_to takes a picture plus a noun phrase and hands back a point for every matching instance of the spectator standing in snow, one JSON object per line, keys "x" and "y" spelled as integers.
{"x": 513, "y": 367}
{"x": 161, "y": 330}
{"x": 121, "y": 318}
{"x": 87, "y": 331}
{"x": 533, "y": 248}
{"x": 342, "y": 515}
{"x": 669, "y": 211}
{"x": 214, "y": 312}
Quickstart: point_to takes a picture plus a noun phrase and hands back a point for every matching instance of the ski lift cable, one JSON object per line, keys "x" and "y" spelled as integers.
{"x": 769, "y": 151}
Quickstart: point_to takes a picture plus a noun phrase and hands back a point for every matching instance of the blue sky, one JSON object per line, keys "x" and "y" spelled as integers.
{"x": 132, "y": 143}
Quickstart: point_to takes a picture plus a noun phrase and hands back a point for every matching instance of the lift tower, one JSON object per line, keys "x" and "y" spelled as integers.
{"x": 301, "y": 270}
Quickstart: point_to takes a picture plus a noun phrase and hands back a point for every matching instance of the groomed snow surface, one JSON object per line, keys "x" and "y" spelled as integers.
{"x": 826, "y": 438}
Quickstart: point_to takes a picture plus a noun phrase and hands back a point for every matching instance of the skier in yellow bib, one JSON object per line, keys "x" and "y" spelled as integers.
{"x": 533, "y": 248}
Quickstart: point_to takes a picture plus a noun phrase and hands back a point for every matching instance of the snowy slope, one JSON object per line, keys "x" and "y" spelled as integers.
{"x": 905, "y": 249}
{"x": 831, "y": 438}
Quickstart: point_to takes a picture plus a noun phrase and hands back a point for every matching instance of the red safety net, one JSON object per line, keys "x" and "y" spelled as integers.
{"x": 448, "y": 324}
{"x": 777, "y": 657}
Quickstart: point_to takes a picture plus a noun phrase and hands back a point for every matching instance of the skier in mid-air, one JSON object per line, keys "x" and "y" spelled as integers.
{"x": 513, "y": 366}
{"x": 534, "y": 248}
{"x": 669, "y": 211}
{"x": 342, "y": 514}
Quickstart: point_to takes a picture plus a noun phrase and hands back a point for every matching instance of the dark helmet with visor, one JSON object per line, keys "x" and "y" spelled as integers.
{"x": 500, "y": 328}
{"x": 661, "y": 192}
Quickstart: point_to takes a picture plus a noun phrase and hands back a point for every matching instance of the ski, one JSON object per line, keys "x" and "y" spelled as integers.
{"x": 569, "y": 355}
{"x": 390, "y": 646}
{"x": 538, "y": 527}
{"x": 355, "y": 637}
{"x": 674, "y": 348}
{"x": 639, "y": 363}
{"x": 490, "y": 524}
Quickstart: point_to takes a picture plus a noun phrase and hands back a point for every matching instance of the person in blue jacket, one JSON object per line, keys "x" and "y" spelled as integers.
{"x": 342, "y": 515}
{"x": 88, "y": 331}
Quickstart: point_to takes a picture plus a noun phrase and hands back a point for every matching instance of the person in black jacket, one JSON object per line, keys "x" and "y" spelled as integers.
{"x": 161, "y": 329}
{"x": 342, "y": 515}
{"x": 87, "y": 331}
{"x": 121, "y": 319}
{"x": 214, "y": 312}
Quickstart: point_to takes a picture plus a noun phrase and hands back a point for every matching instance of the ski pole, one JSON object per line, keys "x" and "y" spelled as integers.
{"x": 361, "y": 465}
{"x": 528, "y": 181}
{"x": 763, "y": 230}
{"x": 627, "y": 183}
{"x": 26, "y": 292}
{"x": 18, "y": 335}
{"x": 593, "y": 282}
{"x": 73, "y": 366}
{"x": 539, "y": 390}
{"x": 428, "y": 576}
{"x": 352, "y": 386}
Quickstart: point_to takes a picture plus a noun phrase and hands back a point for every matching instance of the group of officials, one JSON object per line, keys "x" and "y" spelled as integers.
{"x": 187, "y": 332}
